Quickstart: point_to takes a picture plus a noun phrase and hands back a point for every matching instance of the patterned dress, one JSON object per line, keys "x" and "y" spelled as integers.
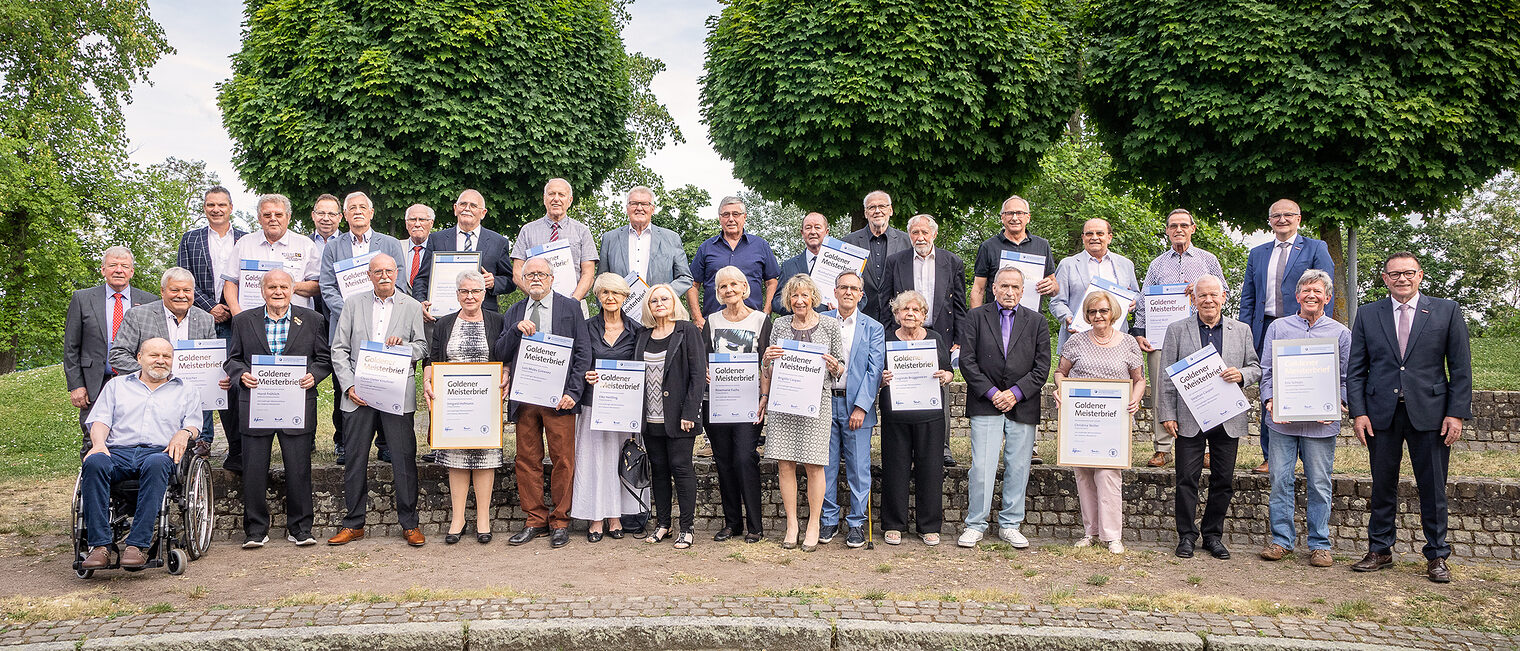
{"x": 789, "y": 437}
{"x": 467, "y": 343}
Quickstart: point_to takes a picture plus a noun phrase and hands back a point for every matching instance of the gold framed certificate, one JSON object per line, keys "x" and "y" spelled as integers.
{"x": 1094, "y": 424}
{"x": 466, "y": 410}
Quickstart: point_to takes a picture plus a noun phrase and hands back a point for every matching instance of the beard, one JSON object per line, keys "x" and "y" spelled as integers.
{"x": 158, "y": 374}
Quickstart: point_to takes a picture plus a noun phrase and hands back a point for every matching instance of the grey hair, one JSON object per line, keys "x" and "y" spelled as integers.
{"x": 469, "y": 274}
{"x": 432, "y": 216}
{"x": 175, "y": 273}
{"x": 1315, "y": 276}
{"x": 264, "y": 280}
{"x": 567, "y": 185}
{"x": 118, "y": 252}
{"x": 732, "y": 199}
{"x": 611, "y": 282}
{"x": 1211, "y": 278}
{"x": 644, "y": 189}
{"x": 357, "y": 194}
{"x": 902, "y": 300}
{"x": 731, "y": 272}
{"x": 933, "y": 225}
{"x": 274, "y": 197}
{"x": 1023, "y": 278}
{"x": 873, "y": 193}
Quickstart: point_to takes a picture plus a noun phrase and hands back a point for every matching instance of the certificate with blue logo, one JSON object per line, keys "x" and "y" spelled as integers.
{"x": 617, "y": 400}
{"x": 1094, "y": 430}
{"x": 466, "y": 406}
{"x": 797, "y": 379}
{"x": 1306, "y": 380}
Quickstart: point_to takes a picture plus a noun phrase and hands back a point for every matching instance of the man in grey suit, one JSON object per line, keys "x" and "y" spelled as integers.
{"x": 1208, "y": 326}
{"x": 395, "y": 319}
{"x": 1077, "y": 271}
{"x": 815, "y": 229}
{"x": 94, "y": 318}
{"x": 174, "y": 318}
{"x": 882, "y": 241}
{"x": 643, "y": 248}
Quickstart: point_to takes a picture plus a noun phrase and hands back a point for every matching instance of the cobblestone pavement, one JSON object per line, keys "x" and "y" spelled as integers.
{"x": 246, "y": 619}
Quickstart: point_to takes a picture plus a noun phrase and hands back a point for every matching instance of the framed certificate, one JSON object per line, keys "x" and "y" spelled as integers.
{"x": 1306, "y": 380}
{"x": 1095, "y": 423}
{"x": 443, "y": 279}
{"x": 466, "y": 410}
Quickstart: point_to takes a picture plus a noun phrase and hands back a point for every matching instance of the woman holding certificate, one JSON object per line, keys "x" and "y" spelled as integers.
{"x": 792, "y": 438}
{"x": 1102, "y": 352}
{"x": 736, "y": 329}
{"x": 598, "y": 495}
{"x": 466, "y": 336}
{"x": 913, "y": 430}
{"x": 675, "y": 374}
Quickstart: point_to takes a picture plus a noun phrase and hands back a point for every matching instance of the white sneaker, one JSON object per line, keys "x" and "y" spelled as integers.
{"x": 1012, "y": 536}
{"x": 1116, "y": 547}
{"x": 1085, "y": 541}
{"x": 301, "y": 542}
{"x": 255, "y": 544}
{"x": 969, "y": 538}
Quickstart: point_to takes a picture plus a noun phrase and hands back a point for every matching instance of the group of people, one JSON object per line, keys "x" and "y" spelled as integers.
{"x": 1404, "y": 365}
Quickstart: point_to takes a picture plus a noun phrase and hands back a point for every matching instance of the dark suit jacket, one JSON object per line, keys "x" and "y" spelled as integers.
{"x": 308, "y": 337}
{"x": 1306, "y": 253}
{"x": 87, "y": 333}
{"x": 794, "y": 265}
{"x": 403, "y": 266}
{"x": 685, "y": 377}
{"x": 196, "y": 256}
{"x": 1026, "y": 366}
{"x": 568, "y": 322}
{"x": 876, "y": 298}
{"x": 1434, "y": 377}
{"x": 949, "y": 290}
{"x": 493, "y": 248}
{"x": 443, "y": 331}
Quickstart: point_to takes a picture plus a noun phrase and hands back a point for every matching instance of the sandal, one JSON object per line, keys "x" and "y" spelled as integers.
{"x": 683, "y": 541}
{"x": 892, "y": 537}
{"x": 659, "y": 535}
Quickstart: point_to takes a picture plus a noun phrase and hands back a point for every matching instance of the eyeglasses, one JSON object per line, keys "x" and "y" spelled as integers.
{"x": 1177, "y": 227}
{"x": 471, "y": 292}
{"x": 848, "y": 288}
{"x": 1014, "y": 213}
{"x": 878, "y": 206}
{"x": 324, "y": 213}
{"x": 418, "y": 220}
{"x": 640, "y": 204}
{"x": 1099, "y": 311}
{"x": 1283, "y": 216}
{"x": 536, "y": 275}
{"x": 1407, "y": 273}
{"x": 731, "y": 214}
{"x": 466, "y": 204}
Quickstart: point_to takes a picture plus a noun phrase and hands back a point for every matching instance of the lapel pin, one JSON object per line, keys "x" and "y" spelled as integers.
{"x": 296, "y": 320}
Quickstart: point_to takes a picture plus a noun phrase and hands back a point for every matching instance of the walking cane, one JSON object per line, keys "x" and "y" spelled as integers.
{"x": 870, "y": 522}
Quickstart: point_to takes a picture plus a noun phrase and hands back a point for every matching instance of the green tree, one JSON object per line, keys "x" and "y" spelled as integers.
{"x": 67, "y": 66}
{"x": 164, "y": 200}
{"x": 414, "y": 101}
{"x": 1352, "y": 107}
{"x": 945, "y": 105}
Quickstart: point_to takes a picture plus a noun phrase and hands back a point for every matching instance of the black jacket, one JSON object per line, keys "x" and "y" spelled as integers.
{"x": 685, "y": 377}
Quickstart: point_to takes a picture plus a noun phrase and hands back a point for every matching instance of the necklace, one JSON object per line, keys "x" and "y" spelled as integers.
{"x": 1102, "y": 341}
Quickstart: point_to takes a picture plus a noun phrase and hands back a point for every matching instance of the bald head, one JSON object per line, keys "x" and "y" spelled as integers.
{"x": 382, "y": 275}
{"x": 1284, "y": 217}
{"x": 557, "y": 198}
{"x": 156, "y": 357}
{"x": 469, "y": 210}
{"x": 1096, "y": 236}
{"x": 815, "y": 227}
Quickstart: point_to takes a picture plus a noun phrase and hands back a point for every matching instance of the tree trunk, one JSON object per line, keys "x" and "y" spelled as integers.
{"x": 857, "y": 219}
{"x": 7, "y": 361}
{"x": 1330, "y": 232}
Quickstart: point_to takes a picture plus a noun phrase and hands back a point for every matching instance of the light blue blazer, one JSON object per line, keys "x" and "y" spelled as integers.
{"x": 868, "y": 357}
{"x": 1073, "y": 278}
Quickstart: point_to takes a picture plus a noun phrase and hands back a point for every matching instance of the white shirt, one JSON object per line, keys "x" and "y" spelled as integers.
{"x": 1273, "y": 305}
{"x": 294, "y": 250}
{"x": 219, "y": 247}
{"x": 380, "y": 319}
{"x": 847, "y": 333}
{"x": 639, "y": 244}
{"x": 361, "y": 242}
{"x": 923, "y": 281}
{"x": 178, "y": 331}
{"x": 544, "y": 313}
{"x": 474, "y": 240}
{"x": 412, "y": 253}
{"x": 1102, "y": 268}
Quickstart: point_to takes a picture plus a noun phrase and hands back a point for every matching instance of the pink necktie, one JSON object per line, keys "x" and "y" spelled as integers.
{"x": 1403, "y": 327}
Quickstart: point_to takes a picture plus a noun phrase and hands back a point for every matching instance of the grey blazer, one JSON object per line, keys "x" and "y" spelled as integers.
{"x": 354, "y": 329}
{"x": 342, "y": 248}
{"x": 1239, "y": 351}
{"x": 86, "y": 330}
{"x": 146, "y": 322}
{"x": 1073, "y": 278}
{"x": 667, "y": 259}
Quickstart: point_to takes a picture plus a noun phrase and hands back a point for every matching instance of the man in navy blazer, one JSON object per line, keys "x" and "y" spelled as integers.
{"x": 854, "y": 412}
{"x": 1408, "y": 380}
{"x": 538, "y": 424}
{"x": 1272, "y": 272}
{"x": 90, "y": 328}
{"x": 208, "y": 253}
{"x": 469, "y": 235}
{"x": 815, "y": 229}
{"x": 656, "y": 253}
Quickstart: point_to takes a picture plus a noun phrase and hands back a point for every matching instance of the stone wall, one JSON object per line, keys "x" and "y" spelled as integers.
{"x": 1485, "y": 514}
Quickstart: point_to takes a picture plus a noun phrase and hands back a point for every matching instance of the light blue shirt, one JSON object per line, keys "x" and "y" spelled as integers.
{"x": 1297, "y": 327}
{"x": 138, "y": 415}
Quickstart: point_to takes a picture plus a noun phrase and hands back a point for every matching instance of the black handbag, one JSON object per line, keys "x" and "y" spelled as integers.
{"x": 634, "y": 470}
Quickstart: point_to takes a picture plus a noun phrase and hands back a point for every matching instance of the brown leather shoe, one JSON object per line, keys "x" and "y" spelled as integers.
{"x": 202, "y": 449}
{"x": 1157, "y": 460}
{"x": 1273, "y": 552}
{"x": 1321, "y": 558}
{"x": 1437, "y": 571}
{"x": 98, "y": 557}
{"x": 1373, "y": 562}
{"x": 345, "y": 536}
{"x": 133, "y": 557}
{"x": 1261, "y": 469}
{"x": 414, "y": 537}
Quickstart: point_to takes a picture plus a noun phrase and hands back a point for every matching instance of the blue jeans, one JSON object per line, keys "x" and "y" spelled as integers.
{"x": 988, "y": 434}
{"x": 854, "y": 447}
{"x": 1318, "y": 455}
{"x": 152, "y": 470}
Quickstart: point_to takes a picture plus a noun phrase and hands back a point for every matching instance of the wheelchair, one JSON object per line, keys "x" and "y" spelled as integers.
{"x": 185, "y": 519}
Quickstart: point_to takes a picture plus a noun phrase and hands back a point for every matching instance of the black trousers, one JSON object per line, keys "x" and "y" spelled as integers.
{"x": 670, "y": 461}
{"x": 337, "y": 418}
{"x": 1190, "y": 451}
{"x": 295, "y": 452}
{"x": 738, "y": 465}
{"x": 361, "y": 424}
{"x": 1429, "y": 456}
{"x": 913, "y": 450}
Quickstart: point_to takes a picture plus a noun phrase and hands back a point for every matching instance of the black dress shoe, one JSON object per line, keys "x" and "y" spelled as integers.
{"x": 950, "y": 461}
{"x": 428, "y": 457}
{"x": 592, "y": 537}
{"x": 754, "y": 537}
{"x": 1373, "y": 562}
{"x": 559, "y": 537}
{"x": 527, "y": 534}
{"x": 1185, "y": 548}
{"x": 451, "y": 538}
{"x": 615, "y": 534}
{"x": 483, "y": 538}
{"x": 723, "y": 534}
{"x": 1216, "y": 549}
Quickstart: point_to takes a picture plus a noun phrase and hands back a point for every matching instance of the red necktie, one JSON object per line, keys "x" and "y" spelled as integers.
{"x": 116, "y": 313}
{"x": 416, "y": 263}
{"x": 553, "y": 231}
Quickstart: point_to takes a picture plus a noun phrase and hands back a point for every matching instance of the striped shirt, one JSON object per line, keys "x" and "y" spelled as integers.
{"x": 1172, "y": 268}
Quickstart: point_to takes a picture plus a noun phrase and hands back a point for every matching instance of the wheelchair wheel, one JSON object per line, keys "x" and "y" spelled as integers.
{"x": 177, "y": 561}
{"x": 196, "y": 510}
{"x": 76, "y": 520}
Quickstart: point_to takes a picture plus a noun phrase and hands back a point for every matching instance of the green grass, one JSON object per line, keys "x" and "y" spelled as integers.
{"x": 1496, "y": 364}
{"x": 41, "y": 428}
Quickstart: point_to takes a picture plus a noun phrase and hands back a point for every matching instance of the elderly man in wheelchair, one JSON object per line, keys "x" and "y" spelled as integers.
{"x": 139, "y": 429}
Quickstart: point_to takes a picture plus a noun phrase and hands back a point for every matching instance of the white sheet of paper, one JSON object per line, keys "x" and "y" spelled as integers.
{"x": 538, "y": 373}
{"x": 1164, "y": 305}
{"x": 443, "y": 277}
{"x": 380, "y": 374}
{"x": 1033, "y": 267}
{"x": 466, "y": 411}
{"x": 278, "y": 402}
{"x": 1125, "y": 295}
{"x": 199, "y": 363}
{"x": 835, "y": 257}
{"x": 617, "y": 403}
{"x": 353, "y": 274}
{"x": 633, "y": 306}
{"x": 734, "y": 393}
{"x": 913, "y": 364}
{"x": 562, "y": 261}
{"x": 797, "y": 378}
{"x": 1210, "y": 399}
{"x": 1094, "y": 429}
{"x": 250, "y": 276}
{"x": 1306, "y": 380}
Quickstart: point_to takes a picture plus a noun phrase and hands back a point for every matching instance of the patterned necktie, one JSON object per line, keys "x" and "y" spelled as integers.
{"x": 469, "y": 241}
{"x": 553, "y": 231}
{"x": 116, "y": 314}
{"x": 416, "y": 263}
{"x": 1403, "y": 327}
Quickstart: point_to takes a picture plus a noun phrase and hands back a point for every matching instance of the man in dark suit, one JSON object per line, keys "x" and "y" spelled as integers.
{"x": 815, "y": 229}
{"x": 469, "y": 235}
{"x": 1272, "y": 272}
{"x": 1005, "y": 361}
{"x": 545, "y": 310}
{"x": 1409, "y": 380}
{"x": 94, "y": 318}
{"x": 208, "y": 253}
{"x": 882, "y": 241}
{"x": 643, "y": 248}
{"x": 285, "y": 330}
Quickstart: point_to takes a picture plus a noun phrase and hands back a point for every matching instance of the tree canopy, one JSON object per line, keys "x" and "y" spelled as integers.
{"x": 944, "y": 105}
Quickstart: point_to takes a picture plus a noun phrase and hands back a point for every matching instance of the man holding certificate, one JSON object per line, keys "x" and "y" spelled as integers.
{"x": 815, "y": 229}
{"x": 466, "y": 236}
{"x": 575, "y": 266}
{"x": 265, "y": 344}
{"x": 1078, "y": 276}
{"x": 854, "y": 412}
{"x": 1230, "y": 340}
{"x": 1310, "y": 440}
{"x": 543, "y": 342}
{"x": 391, "y": 321}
